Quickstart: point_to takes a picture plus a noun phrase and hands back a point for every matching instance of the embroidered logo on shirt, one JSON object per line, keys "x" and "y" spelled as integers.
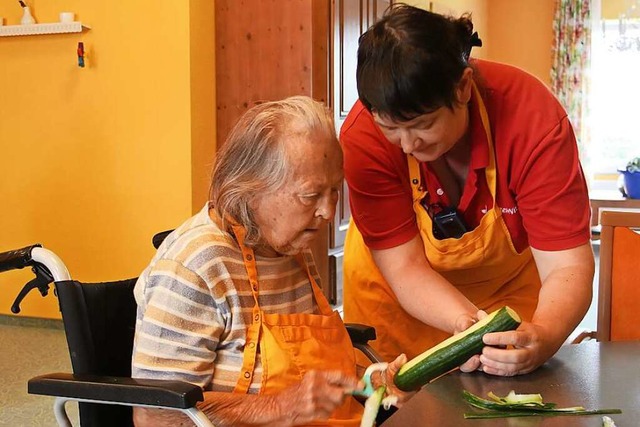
{"x": 510, "y": 211}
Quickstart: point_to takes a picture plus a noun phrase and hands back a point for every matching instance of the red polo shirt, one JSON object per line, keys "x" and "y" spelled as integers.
{"x": 541, "y": 189}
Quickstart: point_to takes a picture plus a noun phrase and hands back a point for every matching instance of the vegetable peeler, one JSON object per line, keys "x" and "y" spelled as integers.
{"x": 366, "y": 379}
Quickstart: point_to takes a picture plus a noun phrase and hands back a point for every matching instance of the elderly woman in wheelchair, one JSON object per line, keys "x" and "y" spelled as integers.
{"x": 231, "y": 301}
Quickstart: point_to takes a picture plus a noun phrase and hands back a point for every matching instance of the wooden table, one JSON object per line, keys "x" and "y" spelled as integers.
{"x": 590, "y": 374}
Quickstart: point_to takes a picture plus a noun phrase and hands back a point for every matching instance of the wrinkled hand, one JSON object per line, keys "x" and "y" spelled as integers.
{"x": 528, "y": 347}
{"x": 316, "y": 396}
{"x": 386, "y": 378}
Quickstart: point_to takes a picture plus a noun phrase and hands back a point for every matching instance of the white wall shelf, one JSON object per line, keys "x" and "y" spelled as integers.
{"x": 48, "y": 28}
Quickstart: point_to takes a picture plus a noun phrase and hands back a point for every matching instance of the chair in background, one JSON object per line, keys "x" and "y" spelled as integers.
{"x": 618, "y": 288}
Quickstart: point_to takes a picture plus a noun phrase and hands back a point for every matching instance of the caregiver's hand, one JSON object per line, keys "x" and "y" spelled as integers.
{"x": 463, "y": 323}
{"x": 528, "y": 347}
{"x": 316, "y": 396}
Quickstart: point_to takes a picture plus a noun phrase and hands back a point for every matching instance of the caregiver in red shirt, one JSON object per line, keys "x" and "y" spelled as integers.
{"x": 466, "y": 194}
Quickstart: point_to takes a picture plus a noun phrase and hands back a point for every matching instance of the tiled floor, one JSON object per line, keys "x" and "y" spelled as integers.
{"x": 30, "y": 347}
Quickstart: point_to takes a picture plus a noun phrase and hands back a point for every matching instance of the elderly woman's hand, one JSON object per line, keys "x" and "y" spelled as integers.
{"x": 386, "y": 378}
{"x": 317, "y": 396}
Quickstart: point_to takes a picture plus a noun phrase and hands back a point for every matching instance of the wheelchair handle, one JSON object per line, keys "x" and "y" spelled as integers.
{"x": 17, "y": 259}
{"x": 46, "y": 266}
{"x": 52, "y": 262}
{"x": 30, "y": 256}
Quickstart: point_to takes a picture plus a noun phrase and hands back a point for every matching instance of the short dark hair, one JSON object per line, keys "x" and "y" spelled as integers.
{"x": 410, "y": 61}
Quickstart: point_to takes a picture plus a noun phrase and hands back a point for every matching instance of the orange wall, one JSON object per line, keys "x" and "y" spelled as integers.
{"x": 516, "y": 32}
{"x": 96, "y": 160}
{"x": 521, "y": 34}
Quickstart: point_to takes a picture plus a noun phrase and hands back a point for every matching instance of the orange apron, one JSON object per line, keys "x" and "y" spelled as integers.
{"x": 483, "y": 264}
{"x": 292, "y": 344}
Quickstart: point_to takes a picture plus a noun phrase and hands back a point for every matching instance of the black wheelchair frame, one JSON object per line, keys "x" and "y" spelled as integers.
{"x": 99, "y": 323}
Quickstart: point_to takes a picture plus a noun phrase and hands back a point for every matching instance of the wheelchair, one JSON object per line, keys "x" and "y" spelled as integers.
{"x": 99, "y": 323}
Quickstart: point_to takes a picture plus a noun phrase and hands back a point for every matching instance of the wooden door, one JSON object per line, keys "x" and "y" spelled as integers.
{"x": 271, "y": 49}
{"x": 351, "y": 18}
{"x": 268, "y": 50}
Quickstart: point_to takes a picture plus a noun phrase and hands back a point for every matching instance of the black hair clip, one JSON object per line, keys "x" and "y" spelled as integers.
{"x": 474, "y": 40}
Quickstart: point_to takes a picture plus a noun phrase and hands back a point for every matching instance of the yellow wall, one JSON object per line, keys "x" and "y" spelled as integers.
{"x": 516, "y": 32}
{"x": 203, "y": 105}
{"x": 94, "y": 161}
{"x": 521, "y": 34}
{"x": 477, "y": 9}
{"x": 612, "y": 9}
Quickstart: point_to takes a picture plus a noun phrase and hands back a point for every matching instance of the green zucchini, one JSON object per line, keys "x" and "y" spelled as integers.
{"x": 453, "y": 351}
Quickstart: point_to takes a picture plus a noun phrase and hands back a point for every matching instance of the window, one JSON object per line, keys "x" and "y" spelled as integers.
{"x": 614, "y": 114}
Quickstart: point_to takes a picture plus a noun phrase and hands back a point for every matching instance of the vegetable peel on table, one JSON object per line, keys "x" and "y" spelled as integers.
{"x": 513, "y": 397}
{"x": 522, "y": 405}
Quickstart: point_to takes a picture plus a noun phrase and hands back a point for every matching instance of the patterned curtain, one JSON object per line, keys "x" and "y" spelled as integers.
{"x": 570, "y": 70}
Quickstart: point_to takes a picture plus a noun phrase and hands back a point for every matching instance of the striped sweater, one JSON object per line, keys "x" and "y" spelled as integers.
{"x": 194, "y": 305}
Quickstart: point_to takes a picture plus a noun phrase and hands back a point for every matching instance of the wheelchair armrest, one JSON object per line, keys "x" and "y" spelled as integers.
{"x": 169, "y": 394}
{"x": 360, "y": 336}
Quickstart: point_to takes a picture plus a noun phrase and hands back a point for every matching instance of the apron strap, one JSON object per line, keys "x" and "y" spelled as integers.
{"x": 322, "y": 302}
{"x": 249, "y": 355}
{"x": 253, "y": 332}
{"x": 491, "y": 170}
{"x": 417, "y": 188}
{"x": 249, "y": 259}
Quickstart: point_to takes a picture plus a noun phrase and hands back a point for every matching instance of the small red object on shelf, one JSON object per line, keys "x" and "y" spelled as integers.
{"x": 80, "y": 54}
